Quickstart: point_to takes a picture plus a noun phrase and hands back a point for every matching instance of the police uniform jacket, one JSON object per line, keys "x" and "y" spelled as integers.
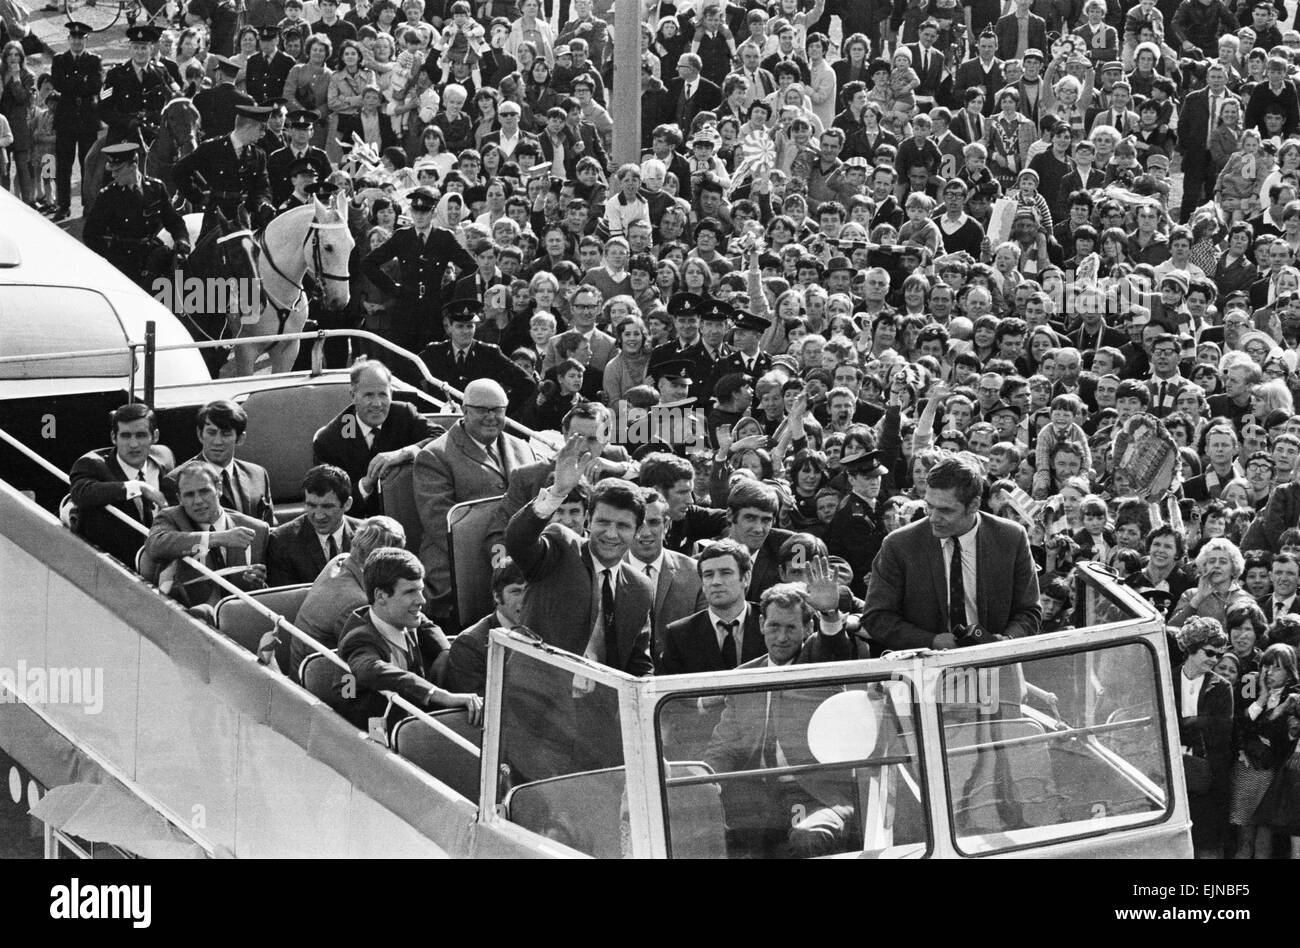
{"x": 217, "y": 109}
{"x": 131, "y": 105}
{"x": 423, "y": 265}
{"x": 232, "y": 179}
{"x": 277, "y": 169}
{"x": 264, "y": 79}
{"x": 78, "y": 81}
{"x": 125, "y": 214}
{"x": 734, "y": 362}
{"x": 482, "y": 361}
{"x": 856, "y": 533}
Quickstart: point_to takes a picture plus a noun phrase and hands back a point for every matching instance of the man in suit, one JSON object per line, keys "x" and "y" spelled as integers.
{"x": 391, "y": 646}
{"x": 805, "y": 815}
{"x": 509, "y": 136}
{"x": 1285, "y": 573}
{"x": 691, "y": 92}
{"x": 300, "y": 549}
{"x": 1196, "y": 118}
{"x": 462, "y": 358}
{"x": 126, "y": 476}
{"x": 340, "y": 589}
{"x": 674, "y": 478}
{"x": 1221, "y": 444}
{"x": 372, "y": 434}
{"x": 221, "y": 427}
{"x": 485, "y": 276}
{"x": 752, "y": 508}
{"x": 299, "y": 127}
{"x": 199, "y": 528}
{"x": 1020, "y": 31}
{"x": 928, "y": 62}
{"x": 585, "y": 136}
{"x": 725, "y": 633}
{"x": 268, "y": 68}
{"x": 984, "y": 69}
{"x": 918, "y": 598}
{"x": 78, "y": 76}
{"x": 585, "y": 598}
{"x": 475, "y": 459}
{"x": 467, "y": 662}
{"x": 786, "y": 52}
{"x": 593, "y": 422}
{"x": 584, "y": 308}
{"x": 677, "y": 582}
{"x": 761, "y": 83}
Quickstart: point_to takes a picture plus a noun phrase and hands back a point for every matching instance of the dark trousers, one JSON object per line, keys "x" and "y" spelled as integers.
{"x": 67, "y": 146}
{"x": 1199, "y": 175}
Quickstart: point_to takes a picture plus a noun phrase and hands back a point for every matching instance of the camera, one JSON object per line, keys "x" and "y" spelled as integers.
{"x": 971, "y": 635}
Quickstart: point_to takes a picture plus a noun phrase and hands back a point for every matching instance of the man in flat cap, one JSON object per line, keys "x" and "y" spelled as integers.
{"x": 78, "y": 77}
{"x": 229, "y": 172}
{"x": 128, "y": 213}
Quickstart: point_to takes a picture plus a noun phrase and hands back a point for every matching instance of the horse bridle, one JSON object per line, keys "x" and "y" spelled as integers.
{"x": 313, "y": 235}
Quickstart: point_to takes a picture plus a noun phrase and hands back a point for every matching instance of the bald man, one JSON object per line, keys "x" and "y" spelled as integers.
{"x": 475, "y": 459}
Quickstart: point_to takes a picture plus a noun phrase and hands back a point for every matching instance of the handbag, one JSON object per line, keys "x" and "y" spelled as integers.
{"x": 1196, "y": 774}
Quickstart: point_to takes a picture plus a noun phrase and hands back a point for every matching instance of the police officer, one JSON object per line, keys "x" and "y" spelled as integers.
{"x": 462, "y": 358}
{"x": 217, "y": 105}
{"x": 299, "y": 128}
{"x": 746, "y": 358}
{"x": 78, "y": 76}
{"x": 135, "y": 92}
{"x": 305, "y": 184}
{"x": 685, "y": 309}
{"x": 268, "y": 68}
{"x": 127, "y": 215}
{"x": 674, "y": 421}
{"x": 423, "y": 252}
{"x": 230, "y": 171}
{"x": 273, "y": 140}
{"x": 858, "y": 528}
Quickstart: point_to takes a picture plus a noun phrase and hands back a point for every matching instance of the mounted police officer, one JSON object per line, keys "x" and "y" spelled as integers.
{"x": 268, "y": 68}
{"x": 78, "y": 76}
{"x": 423, "y": 252}
{"x": 229, "y": 172}
{"x": 128, "y": 214}
{"x": 217, "y": 105}
{"x": 135, "y": 92}
{"x": 299, "y": 128}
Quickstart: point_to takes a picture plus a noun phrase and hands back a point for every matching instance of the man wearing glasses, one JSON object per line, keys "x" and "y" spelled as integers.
{"x": 473, "y": 460}
{"x": 1165, "y": 382}
{"x": 584, "y": 307}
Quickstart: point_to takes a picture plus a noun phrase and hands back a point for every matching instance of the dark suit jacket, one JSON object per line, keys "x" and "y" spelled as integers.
{"x": 1194, "y": 121}
{"x": 175, "y": 535}
{"x": 484, "y": 361}
{"x": 767, "y": 571}
{"x": 98, "y": 481}
{"x": 341, "y": 443}
{"x": 971, "y": 73}
{"x": 677, "y": 595}
{"x": 691, "y": 644}
{"x": 707, "y": 96}
{"x": 1266, "y": 604}
{"x": 1084, "y": 340}
{"x": 907, "y": 597}
{"x": 1282, "y": 513}
{"x": 1009, "y": 34}
{"x": 370, "y": 656}
{"x": 930, "y": 77}
{"x": 252, "y": 483}
{"x": 494, "y": 138}
{"x": 294, "y": 554}
{"x": 1209, "y": 732}
{"x": 558, "y": 604}
{"x": 467, "y": 660}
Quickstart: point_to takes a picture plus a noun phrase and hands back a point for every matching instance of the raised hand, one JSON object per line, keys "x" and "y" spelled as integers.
{"x": 570, "y": 463}
{"x": 823, "y": 585}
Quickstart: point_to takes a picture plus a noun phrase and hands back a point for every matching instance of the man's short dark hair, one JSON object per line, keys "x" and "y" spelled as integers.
{"x": 1132, "y": 388}
{"x": 619, "y": 494}
{"x": 506, "y": 573}
{"x": 726, "y": 547}
{"x": 754, "y": 494}
{"x": 801, "y": 543}
{"x": 787, "y": 596}
{"x": 132, "y": 411}
{"x": 324, "y": 478}
{"x": 385, "y": 566}
{"x": 958, "y": 475}
{"x": 224, "y": 415}
{"x": 663, "y": 471}
{"x": 591, "y": 411}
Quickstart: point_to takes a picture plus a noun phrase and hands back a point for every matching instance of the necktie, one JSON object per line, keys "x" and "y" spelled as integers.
{"x": 729, "y": 643}
{"x": 333, "y": 547}
{"x": 460, "y": 362}
{"x": 650, "y": 572}
{"x": 492, "y": 454}
{"x": 956, "y": 589}
{"x": 142, "y": 505}
{"x": 227, "y": 491}
{"x": 370, "y": 437}
{"x": 216, "y": 559}
{"x": 607, "y": 621}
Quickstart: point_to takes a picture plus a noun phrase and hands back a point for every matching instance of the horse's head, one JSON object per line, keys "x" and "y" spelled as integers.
{"x": 330, "y": 250}
{"x": 180, "y": 122}
{"x": 226, "y": 256}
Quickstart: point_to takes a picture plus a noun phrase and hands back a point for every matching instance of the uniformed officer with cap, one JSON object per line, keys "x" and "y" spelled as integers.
{"x": 217, "y": 105}
{"x": 78, "y": 77}
{"x": 299, "y": 128}
{"x": 462, "y": 358}
{"x": 746, "y": 358}
{"x": 135, "y": 91}
{"x": 229, "y": 172}
{"x": 715, "y": 316}
{"x": 268, "y": 68}
{"x": 672, "y": 421}
{"x": 302, "y": 173}
{"x": 124, "y": 223}
{"x": 857, "y": 530}
{"x": 273, "y": 139}
{"x": 423, "y": 253}
{"x": 686, "y": 310}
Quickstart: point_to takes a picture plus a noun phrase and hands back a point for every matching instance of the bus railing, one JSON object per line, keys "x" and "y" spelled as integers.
{"x": 279, "y": 622}
{"x": 318, "y": 338}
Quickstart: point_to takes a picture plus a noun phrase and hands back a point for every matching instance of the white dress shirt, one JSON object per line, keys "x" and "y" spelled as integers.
{"x": 717, "y": 620}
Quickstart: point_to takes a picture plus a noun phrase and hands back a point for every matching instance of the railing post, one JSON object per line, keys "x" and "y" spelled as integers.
{"x": 150, "y": 345}
{"x": 318, "y": 354}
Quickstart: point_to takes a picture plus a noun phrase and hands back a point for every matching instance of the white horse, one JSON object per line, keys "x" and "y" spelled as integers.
{"x": 314, "y": 239}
